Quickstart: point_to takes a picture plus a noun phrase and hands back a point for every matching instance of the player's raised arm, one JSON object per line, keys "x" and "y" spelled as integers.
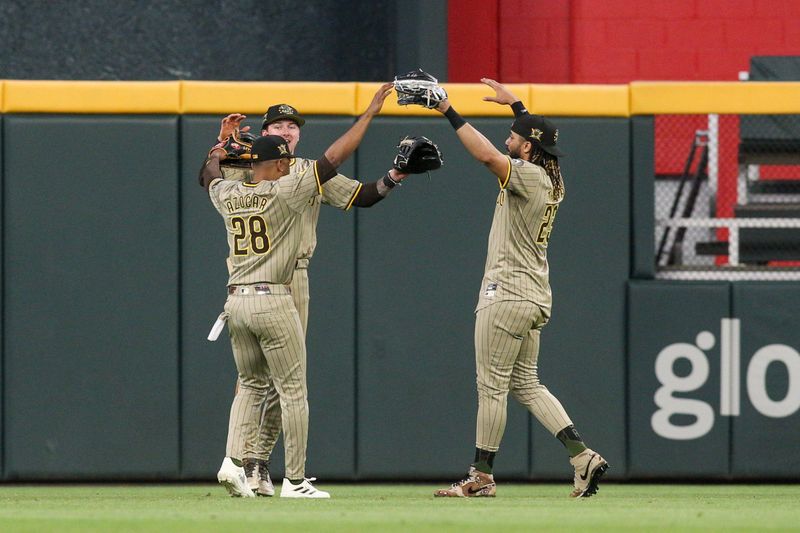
{"x": 475, "y": 142}
{"x": 345, "y": 145}
{"x": 210, "y": 170}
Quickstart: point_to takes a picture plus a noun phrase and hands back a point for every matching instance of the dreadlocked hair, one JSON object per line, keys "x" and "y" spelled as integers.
{"x": 550, "y": 165}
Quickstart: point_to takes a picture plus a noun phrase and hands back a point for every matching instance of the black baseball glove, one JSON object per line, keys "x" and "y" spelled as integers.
{"x": 417, "y": 155}
{"x": 237, "y": 149}
{"x": 420, "y": 88}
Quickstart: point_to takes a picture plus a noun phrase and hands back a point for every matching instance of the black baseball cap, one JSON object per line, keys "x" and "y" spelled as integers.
{"x": 280, "y": 112}
{"x": 538, "y": 130}
{"x": 270, "y": 148}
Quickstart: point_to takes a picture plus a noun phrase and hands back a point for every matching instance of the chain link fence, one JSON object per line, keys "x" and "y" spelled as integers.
{"x": 727, "y": 196}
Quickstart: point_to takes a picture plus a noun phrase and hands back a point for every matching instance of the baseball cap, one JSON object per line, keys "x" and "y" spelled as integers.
{"x": 280, "y": 112}
{"x": 269, "y": 148}
{"x": 540, "y": 131}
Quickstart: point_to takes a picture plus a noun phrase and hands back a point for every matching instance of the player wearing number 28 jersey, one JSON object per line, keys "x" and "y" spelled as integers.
{"x": 264, "y": 223}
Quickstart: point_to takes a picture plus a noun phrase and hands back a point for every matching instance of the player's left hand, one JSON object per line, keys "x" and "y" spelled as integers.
{"x": 398, "y": 176}
{"x": 377, "y": 101}
{"x": 230, "y": 124}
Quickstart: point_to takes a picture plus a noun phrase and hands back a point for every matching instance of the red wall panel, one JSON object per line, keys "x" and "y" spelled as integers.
{"x": 616, "y": 41}
{"x": 473, "y": 50}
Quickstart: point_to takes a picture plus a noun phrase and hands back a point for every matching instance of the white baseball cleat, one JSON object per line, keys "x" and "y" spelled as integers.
{"x": 303, "y": 490}
{"x": 589, "y": 468}
{"x": 232, "y": 477}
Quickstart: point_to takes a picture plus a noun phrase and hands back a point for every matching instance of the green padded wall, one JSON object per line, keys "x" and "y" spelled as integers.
{"x": 766, "y": 444}
{"x": 680, "y": 320}
{"x": 113, "y": 272}
{"x": 91, "y": 297}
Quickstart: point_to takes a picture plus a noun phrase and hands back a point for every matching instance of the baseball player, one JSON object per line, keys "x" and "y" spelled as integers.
{"x": 264, "y": 217}
{"x": 340, "y": 192}
{"x": 515, "y": 300}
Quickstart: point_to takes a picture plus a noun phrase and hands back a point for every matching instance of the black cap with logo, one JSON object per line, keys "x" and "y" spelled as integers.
{"x": 281, "y": 112}
{"x": 270, "y": 148}
{"x": 540, "y": 131}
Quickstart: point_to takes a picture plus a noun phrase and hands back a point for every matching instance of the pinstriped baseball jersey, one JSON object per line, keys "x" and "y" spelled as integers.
{"x": 516, "y": 263}
{"x": 236, "y": 173}
{"x": 263, "y": 222}
{"x": 340, "y": 192}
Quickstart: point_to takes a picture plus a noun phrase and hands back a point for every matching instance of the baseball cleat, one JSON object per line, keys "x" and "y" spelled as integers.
{"x": 477, "y": 484}
{"x": 232, "y": 477}
{"x": 257, "y": 473}
{"x": 303, "y": 490}
{"x": 589, "y": 468}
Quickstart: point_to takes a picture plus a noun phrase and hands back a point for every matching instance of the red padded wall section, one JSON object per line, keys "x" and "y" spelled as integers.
{"x": 616, "y": 41}
{"x": 472, "y": 44}
{"x": 535, "y": 41}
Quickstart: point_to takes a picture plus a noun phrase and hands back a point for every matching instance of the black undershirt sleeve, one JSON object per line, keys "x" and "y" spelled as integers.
{"x": 325, "y": 170}
{"x": 519, "y": 109}
{"x": 209, "y": 172}
{"x": 368, "y": 195}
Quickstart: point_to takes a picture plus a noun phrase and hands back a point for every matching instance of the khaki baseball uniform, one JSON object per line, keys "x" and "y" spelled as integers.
{"x": 340, "y": 192}
{"x": 514, "y": 305}
{"x": 264, "y": 226}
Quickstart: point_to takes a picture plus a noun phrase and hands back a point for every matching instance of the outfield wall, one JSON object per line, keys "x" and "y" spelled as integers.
{"x": 113, "y": 271}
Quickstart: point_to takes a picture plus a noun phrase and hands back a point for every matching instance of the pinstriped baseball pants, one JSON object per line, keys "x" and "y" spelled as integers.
{"x": 268, "y": 347}
{"x": 261, "y": 447}
{"x": 506, "y": 355}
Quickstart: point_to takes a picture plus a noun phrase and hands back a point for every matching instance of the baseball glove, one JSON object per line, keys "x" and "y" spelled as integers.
{"x": 420, "y": 88}
{"x": 417, "y": 155}
{"x": 237, "y": 149}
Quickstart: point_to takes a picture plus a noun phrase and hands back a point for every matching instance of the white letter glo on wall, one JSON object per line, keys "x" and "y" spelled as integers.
{"x": 730, "y": 342}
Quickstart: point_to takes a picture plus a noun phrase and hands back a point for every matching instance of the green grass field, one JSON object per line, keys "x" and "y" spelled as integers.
{"x": 407, "y": 508}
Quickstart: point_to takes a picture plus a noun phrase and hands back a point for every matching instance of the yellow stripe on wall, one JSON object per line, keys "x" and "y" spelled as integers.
{"x": 580, "y": 100}
{"x": 45, "y": 96}
{"x": 467, "y": 98}
{"x": 652, "y": 98}
{"x": 352, "y": 98}
{"x": 310, "y": 98}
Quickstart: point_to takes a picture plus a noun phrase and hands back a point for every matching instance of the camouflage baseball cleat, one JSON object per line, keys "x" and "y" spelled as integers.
{"x": 589, "y": 468}
{"x": 477, "y": 484}
{"x": 257, "y": 472}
